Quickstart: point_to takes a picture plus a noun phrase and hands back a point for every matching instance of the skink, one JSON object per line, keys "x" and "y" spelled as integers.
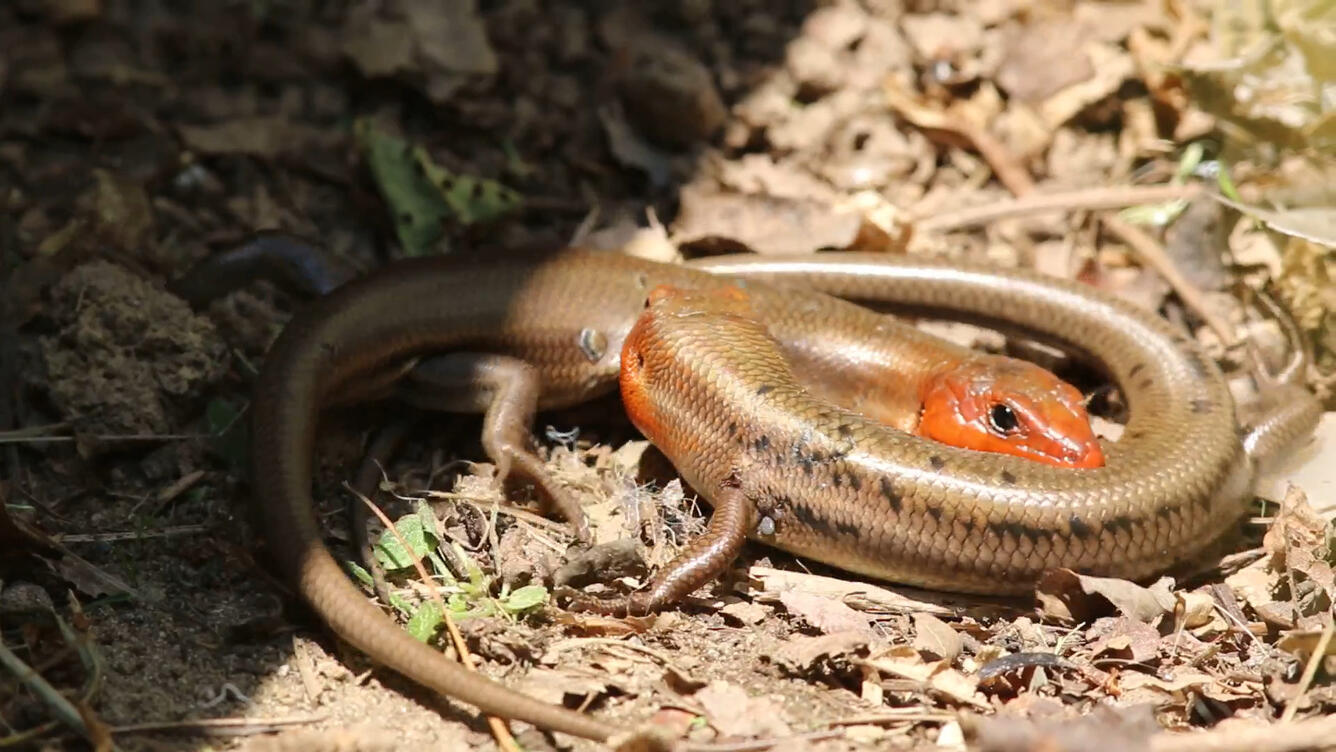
{"x": 948, "y": 518}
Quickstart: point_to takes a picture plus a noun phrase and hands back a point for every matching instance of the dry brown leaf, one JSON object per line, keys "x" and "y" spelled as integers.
{"x": 734, "y": 713}
{"x": 1198, "y": 608}
{"x": 766, "y": 224}
{"x": 1176, "y": 681}
{"x": 934, "y": 636}
{"x": 826, "y": 614}
{"x": 905, "y": 662}
{"x": 768, "y": 583}
{"x": 1123, "y": 637}
{"x": 1112, "y": 66}
{"x": 1304, "y": 643}
{"x": 1065, "y": 595}
{"x": 745, "y": 612}
{"x": 1044, "y": 58}
{"x": 555, "y": 685}
{"x": 800, "y": 653}
{"x": 264, "y": 137}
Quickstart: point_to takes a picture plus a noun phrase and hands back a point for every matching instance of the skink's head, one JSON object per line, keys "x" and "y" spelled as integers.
{"x": 1003, "y": 405}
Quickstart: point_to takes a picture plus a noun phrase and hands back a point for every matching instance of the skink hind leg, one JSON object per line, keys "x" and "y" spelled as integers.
{"x": 505, "y": 390}
{"x": 1286, "y": 413}
{"x": 701, "y": 561}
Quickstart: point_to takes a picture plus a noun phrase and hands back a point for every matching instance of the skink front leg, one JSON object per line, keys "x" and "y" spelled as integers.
{"x": 701, "y": 561}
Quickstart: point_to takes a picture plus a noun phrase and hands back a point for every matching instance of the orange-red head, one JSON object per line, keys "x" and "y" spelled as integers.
{"x": 997, "y": 404}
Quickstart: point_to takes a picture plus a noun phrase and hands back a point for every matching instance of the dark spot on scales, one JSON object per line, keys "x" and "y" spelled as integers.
{"x": 847, "y": 529}
{"x": 762, "y": 443}
{"x": 1145, "y": 384}
{"x": 1007, "y": 478}
{"x": 810, "y": 518}
{"x": 1201, "y": 406}
{"x": 1121, "y": 521}
{"x": 764, "y": 389}
{"x": 1018, "y": 530}
{"x": 1165, "y": 511}
{"x": 934, "y": 512}
{"x": 845, "y": 431}
{"x": 937, "y": 462}
{"x": 732, "y": 429}
{"x": 888, "y": 493}
{"x": 1079, "y": 528}
{"x": 855, "y": 482}
{"x": 1138, "y": 368}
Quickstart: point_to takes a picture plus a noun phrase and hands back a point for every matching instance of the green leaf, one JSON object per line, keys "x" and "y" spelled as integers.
{"x": 420, "y": 539}
{"x": 416, "y": 207}
{"x": 470, "y": 199}
{"x": 400, "y": 604}
{"x": 425, "y": 621}
{"x": 525, "y": 598}
{"x": 227, "y": 432}
{"x": 360, "y": 574}
{"x": 422, "y": 195}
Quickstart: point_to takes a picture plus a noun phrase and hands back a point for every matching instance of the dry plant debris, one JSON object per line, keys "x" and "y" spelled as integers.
{"x": 1164, "y": 150}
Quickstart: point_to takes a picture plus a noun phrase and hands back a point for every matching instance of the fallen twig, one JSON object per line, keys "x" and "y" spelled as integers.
{"x": 1102, "y": 198}
{"x": 500, "y": 731}
{"x": 1151, "y": 253}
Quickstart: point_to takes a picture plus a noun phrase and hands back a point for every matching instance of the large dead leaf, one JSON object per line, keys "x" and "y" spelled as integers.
{"x": 772, "y": 225}
{"x": 936, "y": 637}
{"x": 905, "y": 662}
{"x": 1068, "y": 596}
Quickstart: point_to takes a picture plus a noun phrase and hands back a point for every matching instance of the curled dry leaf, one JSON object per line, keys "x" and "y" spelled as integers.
{"x": 767, "y": 584}
{"x": 745, "y": 612}
{"x": 733, "y": 713}
{"x": 1067, "y": 596}
{"x": 826, "y": 614}
{"x": 1125, "y": 638}
{"x": 936, "y": 637}
{"x": 801, "y": 653}
{"x": 1198, "y": 608}
{"x": 905, "y": 662}
{"x": 766, "y": 224}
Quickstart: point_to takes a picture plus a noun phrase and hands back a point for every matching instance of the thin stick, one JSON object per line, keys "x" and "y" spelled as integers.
{"x": 504, "y": 739}
{"x": 1150, "y": 253}
{"x": 220, "y": 726}
{"x": 1110, "y": 197}
{"x": 63, "y": 709}
{"x": 1310, "y": 670}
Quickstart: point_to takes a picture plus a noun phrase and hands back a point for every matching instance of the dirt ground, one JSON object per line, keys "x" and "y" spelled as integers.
{"x": 1079, "y": 138}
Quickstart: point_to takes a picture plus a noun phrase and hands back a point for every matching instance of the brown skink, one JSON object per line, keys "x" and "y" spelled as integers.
{"x": 1177, "y": 478}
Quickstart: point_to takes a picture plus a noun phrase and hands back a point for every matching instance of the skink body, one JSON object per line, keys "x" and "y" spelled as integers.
{"x": 951, "y": 519}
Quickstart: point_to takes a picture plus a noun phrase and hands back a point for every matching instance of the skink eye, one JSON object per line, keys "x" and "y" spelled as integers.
{"x": 1002, "y": 419}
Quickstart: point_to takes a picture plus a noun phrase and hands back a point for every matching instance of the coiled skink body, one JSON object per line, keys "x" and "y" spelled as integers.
{"x": 946, "y": 518}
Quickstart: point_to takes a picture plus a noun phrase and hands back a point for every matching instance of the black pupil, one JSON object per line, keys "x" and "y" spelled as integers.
{"x": 1003, "y": 418}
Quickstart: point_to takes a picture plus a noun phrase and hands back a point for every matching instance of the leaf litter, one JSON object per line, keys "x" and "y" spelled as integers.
{"x": 843, "y": 127}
